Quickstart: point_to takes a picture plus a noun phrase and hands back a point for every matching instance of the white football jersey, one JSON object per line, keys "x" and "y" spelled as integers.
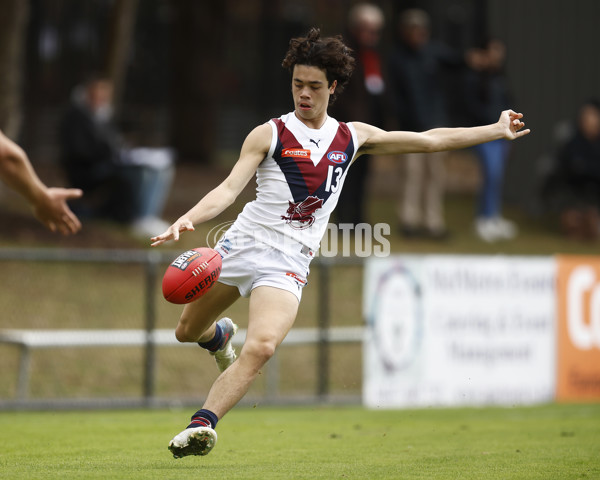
{"x": 299, "y": 182}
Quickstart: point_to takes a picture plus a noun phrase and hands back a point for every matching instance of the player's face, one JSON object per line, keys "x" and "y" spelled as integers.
{"x": 311, "y": 94}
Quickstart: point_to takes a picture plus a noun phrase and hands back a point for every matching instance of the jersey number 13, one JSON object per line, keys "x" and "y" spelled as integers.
{"x": 334, "y": 175}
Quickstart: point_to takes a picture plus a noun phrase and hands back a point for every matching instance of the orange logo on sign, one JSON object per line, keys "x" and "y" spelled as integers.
{"x": 578, "y": 282}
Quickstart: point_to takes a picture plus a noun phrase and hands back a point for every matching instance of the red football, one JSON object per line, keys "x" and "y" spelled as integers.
{"x": 191, "y": 275}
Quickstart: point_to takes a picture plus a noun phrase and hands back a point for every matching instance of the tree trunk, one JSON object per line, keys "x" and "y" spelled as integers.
{"x": 121, "y": 29}
{"x": 13, "y": 23}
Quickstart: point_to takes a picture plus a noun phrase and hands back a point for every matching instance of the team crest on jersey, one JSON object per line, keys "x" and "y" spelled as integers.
{"x": 296, "y": 152}
{"x": 300, "y": 215}
{"x": 337, "y": 157}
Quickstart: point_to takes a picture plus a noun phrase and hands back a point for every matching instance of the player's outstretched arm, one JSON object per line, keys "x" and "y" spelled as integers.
{"x": 52, "y": 210}
{"x": 373, "y": 140}
{"x": 253, "y": 152}
{"x": 49, "y": 204}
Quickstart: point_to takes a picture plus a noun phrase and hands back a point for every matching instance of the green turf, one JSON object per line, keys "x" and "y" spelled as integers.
{"x": 545, "y": 442}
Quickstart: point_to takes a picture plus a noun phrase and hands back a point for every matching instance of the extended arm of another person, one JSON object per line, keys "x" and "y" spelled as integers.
{"x": 49, "y": 204}
{"x": 375, "y": 141}
{"x": 253, "y": 152}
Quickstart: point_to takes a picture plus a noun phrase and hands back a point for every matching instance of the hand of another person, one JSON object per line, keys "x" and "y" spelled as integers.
{"x": 52, "y": 210}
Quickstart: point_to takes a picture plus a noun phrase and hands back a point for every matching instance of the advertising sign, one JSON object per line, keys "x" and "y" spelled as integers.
{"x": 578, "y": 280}
{"x": 459, "y": 330}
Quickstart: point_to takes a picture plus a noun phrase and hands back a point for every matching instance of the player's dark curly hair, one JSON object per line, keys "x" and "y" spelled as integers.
{"x": 329, "y": 54}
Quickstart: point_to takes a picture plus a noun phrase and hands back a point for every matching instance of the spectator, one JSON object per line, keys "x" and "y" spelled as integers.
{"x": 486, "y": 92}
{"x": 368, "y": 89}
{"x": 416, "y": 68}
{"x": 49, "y": 204}
{"x": 573, "y": 188}
{"x": 127, "y": 185}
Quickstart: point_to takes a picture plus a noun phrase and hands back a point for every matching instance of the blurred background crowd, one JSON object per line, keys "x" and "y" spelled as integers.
{"x": 115, "y": 95}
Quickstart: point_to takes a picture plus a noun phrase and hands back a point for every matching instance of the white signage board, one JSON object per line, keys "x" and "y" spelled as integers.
{"x": 459, "y": 330}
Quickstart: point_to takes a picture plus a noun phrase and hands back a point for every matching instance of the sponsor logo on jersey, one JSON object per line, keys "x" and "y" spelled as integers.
{"x": 337, "y": 157}
{"x": 296, "y": 152}
{"x": 300, "y": 215}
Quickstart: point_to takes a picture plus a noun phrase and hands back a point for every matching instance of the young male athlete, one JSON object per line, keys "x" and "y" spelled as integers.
{"x": 300, "y": 160}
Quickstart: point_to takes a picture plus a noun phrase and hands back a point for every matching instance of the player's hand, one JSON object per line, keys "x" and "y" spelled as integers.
{"x": 512, "y": 124}
{"x": 52, "y": 210}
{"x": 172, "y": 233}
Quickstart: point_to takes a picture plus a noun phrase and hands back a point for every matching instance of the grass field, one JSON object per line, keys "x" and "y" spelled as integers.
{"x": 542, "y": 442}
{"x": 546, "y": 442}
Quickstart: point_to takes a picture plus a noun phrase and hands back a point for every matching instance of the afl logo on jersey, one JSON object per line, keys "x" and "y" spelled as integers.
{"x": 337, "y": 157}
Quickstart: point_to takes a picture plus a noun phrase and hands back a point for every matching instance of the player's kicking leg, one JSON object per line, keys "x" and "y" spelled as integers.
{"x": 272, "y": 314}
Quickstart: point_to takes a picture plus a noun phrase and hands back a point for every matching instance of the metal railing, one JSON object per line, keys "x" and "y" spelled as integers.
{"x": 153, "y": 261}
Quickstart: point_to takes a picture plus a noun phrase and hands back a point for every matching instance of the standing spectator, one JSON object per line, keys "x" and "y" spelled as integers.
{"x": 368, "y": 90}
{"x": 416, "y": 70}
{"x": 486, "y": 92}
{"x": 49, "y": 204}
{"x": 573, "y": 188}
{"x": 126, "y": 185}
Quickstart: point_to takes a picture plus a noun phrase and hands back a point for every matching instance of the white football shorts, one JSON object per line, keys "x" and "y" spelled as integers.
{"x": 249, "y": 263}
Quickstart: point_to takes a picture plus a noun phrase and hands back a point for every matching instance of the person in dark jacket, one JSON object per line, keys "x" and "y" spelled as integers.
{"x": 573, "y": 188}
{"x": 416, "y": 74}
{"x": 126, "y": 185}
{"x": 90, "y": 150}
